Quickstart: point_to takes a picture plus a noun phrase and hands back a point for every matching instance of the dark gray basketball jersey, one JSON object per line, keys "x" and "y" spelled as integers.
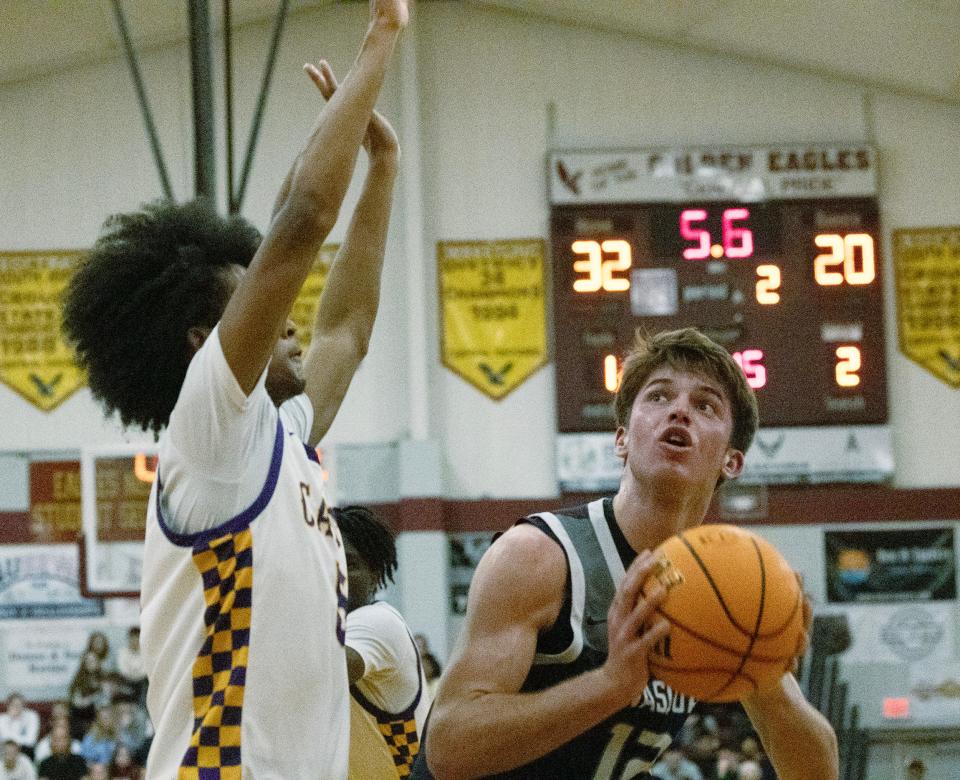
{"x": 626, "y": 745}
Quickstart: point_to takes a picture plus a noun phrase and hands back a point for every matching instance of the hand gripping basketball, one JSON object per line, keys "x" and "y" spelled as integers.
{"x": 629, "y": 641}
{"x": 738, "y": 616}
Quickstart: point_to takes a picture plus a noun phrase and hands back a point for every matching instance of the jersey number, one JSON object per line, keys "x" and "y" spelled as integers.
{"x": 623, "y": 737}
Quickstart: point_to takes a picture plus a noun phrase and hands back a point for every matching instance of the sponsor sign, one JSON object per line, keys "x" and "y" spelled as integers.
{"x": 492, "y": 311}
{"x": 851, "y": 453}
{"x": 712, "y": 173}
{"x": 43, "y": 581}
{"x": 869, "y": 567}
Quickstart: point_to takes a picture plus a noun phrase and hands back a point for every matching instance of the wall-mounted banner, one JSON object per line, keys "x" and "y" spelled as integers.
{"x": 466, "y": 550}
{"x": 34, "y": 360}
{"x": 492, "y": 311}
{"x": 927, "y": 265}
{"x": 305, "y": 306}
{"x": 43, "y": 581}
{"x": 54, "y": 501}
{"x": 890, "y": 566}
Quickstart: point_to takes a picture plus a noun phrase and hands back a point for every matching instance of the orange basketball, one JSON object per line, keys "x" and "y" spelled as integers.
{"x": 735, "y": 610}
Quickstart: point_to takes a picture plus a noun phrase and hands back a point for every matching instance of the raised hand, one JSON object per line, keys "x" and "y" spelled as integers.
{"x": 392, "y": 13}
{"x": 380, "y": 140}
{"x": 629, "y": 642}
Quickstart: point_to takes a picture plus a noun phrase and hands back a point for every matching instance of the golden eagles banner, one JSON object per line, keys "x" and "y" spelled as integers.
{"x": 34, "y": 360}
{"x": 305, "y": 306}
{"x": 927, "y": 265}
{"x": 492, "y": 310}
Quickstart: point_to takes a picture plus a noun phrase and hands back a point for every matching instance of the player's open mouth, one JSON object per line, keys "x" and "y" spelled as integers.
{"x": 676, "y": 437}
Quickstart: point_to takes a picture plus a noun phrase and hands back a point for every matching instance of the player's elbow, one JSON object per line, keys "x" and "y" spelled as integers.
{"x": 307, "y": 217}
{"x": 447, "y": 756}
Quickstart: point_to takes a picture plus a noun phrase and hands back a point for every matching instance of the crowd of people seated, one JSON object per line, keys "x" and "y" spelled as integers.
{"x": 100, "y": 731}
{"x": 716, "y": 743}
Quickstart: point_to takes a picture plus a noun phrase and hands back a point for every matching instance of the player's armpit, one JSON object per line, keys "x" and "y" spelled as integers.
{"x": 798, "y": 739}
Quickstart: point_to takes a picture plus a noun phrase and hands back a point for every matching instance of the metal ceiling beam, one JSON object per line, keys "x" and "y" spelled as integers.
{"x": 201, "y": 77}
{"x": 131, "y": 57}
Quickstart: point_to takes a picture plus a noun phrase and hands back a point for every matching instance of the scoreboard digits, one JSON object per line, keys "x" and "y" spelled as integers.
{"x": 772, "y": 252}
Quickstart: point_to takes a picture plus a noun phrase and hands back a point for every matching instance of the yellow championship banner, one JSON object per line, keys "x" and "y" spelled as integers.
{"x": 927, "y": 266}
{"x": 305, "y": 306}
{"x": 492, "y": 310}
{"x": 34, "y": 360}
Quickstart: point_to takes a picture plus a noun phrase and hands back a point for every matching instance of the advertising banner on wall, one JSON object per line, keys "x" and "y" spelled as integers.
{"x": 870, "y": 567}
{"x": 901, "y": 633}
{"x": 493, "y": 311}
{"x": 39, "y": 661}
{"x": 43, "y": 581}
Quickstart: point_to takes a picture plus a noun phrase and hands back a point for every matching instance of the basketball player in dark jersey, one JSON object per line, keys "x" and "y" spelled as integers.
{"x": 550, "y": 679}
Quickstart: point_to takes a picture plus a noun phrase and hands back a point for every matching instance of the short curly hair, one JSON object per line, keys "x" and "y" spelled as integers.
{"x": 689, "y": 350}
{"x": 151, "y": 276}
{"x": 372, "y": 538}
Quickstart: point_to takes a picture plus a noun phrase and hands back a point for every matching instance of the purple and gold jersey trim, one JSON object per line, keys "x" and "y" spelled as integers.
{"x": 236, "y": 523}
{"x": 220, "y": 669}
{"x": 399, "y": 730}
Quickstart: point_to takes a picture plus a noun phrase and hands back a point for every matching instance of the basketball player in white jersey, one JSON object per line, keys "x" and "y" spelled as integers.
{"x": 388, "y": 687}
{"x": 181, "y": 320}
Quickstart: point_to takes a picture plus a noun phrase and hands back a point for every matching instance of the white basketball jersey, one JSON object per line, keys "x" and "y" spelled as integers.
{"x": 242, "y": 634}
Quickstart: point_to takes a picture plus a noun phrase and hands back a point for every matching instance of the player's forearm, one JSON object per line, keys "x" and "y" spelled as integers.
{"x": 495, "y": 732}
{"x": 799, "y": 741}
{"x": 352, "y": 292}
{"x": 323, "y": 171}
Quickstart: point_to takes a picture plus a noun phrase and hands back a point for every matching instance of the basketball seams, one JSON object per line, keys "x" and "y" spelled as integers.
{"x": 753, "y": 639}
{"x": 714, "y": 588}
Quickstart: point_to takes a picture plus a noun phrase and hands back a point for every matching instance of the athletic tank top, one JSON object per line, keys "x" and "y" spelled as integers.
{"x": 625, "y": 745}
{"x": 242, "y": 629}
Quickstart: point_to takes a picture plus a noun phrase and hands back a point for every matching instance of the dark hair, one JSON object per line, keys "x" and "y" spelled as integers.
{"x": 151, "y": 276}
{"x": 688, "y": 349}
{"x": 372, "y": 538}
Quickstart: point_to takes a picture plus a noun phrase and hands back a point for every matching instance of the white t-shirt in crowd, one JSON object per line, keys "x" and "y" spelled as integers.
{"x": 243, "y": 601}
{"x": 390, "y": 702}
{"x": 23, "y": 729}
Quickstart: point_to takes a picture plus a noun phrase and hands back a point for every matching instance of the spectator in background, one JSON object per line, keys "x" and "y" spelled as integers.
{"x": 59, "y": 717}
{"x": 749, "y": 770}
{"x": 99, "y": 644}
{"x": 63, "y": 763}
{"x": 15, "y": 765}
{"x": 727, "y": 765}
{"x": 86, "y": 692}
{"x": 122, "y": 767}
{"x": 100, "y": 741}
{"x": 916, "y": 770}
{"x": 431, "y": 666}
{"x": 98, "y": 772}
{"x": 20, "y": 723}
{"x": 130, "y": 666}
{"x": 675, "y": 766}
{"x": 132, "y": 724}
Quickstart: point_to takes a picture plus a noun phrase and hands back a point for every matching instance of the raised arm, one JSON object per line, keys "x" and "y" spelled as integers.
{"x": 258, "y": 309}
{"x": 799, "y": 741}
{"x": 348, "y": 305}
{"x": 516, "y": 592}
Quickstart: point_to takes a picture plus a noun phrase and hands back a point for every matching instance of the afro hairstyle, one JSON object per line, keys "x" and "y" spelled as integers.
{"x": 151, "y": 276}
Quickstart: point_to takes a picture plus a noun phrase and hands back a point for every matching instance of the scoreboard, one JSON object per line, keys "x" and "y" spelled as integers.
{"x": 774, "y": 252}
